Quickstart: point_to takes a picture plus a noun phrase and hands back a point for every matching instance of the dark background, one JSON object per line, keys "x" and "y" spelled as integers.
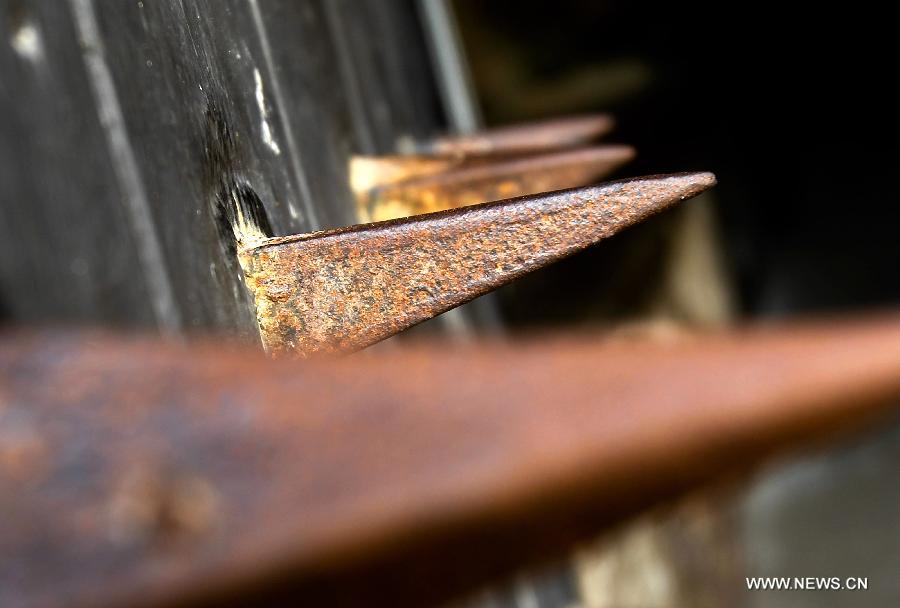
{"x": 794, "y": 110}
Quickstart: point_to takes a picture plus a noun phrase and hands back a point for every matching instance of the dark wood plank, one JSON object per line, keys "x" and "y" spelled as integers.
{"x": 143, "y": 124}
{"x": 66, "y": 250}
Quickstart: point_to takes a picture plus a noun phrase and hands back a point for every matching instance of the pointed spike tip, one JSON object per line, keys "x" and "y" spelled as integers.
{"x": 689, "y": 183}
{"x": 657, "y": 192}
{"x": 701, "y": 180}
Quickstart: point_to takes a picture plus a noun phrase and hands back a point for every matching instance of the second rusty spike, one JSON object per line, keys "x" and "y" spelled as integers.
{"x": 342, "y": 290}
{"x": 525, "y": 138}
{"x": 474, "y": 183}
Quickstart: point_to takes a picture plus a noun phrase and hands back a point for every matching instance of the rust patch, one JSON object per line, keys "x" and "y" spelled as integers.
{"x": 342, "y": 290}
{"x": 368, "y": 173}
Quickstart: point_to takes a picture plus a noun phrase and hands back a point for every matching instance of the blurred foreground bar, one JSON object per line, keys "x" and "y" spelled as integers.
{"x": 135, "y": 472}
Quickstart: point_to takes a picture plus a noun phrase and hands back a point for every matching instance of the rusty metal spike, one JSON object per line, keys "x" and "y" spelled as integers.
{"x": 524, "y": 138}
{"x": 368, "y": 173}
{"x": 342, "y": 290}
{"x": 209, "y": 473}
{"x": 451, "y": 187}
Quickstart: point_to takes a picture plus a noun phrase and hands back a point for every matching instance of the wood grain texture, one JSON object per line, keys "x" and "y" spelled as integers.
{"x": 65, "y": 251}
{"x": 134, "y": 130}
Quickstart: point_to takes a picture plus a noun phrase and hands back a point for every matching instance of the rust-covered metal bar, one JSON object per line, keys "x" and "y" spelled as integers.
{"x": 438, "y": 187}
{"x": 524, "y": 138}
{"x": 343, "y": 290}
{"x": 139, "y": 473}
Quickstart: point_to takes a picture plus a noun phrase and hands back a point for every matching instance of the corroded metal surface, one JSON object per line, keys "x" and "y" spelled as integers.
{"x": 140, "y": 473}
{"x": 470, "y": 183}
{"x": 524, "y": 138}
{"x": 342, "y": 290}
{"x": 370, "y": 172}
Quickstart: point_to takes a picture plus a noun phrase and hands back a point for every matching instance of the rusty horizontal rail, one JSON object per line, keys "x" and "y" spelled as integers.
{"x": 345, "y": 289}
{"x": 439, "y": 187}
{"x": 524, "y": 138}
{"x": 140, "y": 473}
